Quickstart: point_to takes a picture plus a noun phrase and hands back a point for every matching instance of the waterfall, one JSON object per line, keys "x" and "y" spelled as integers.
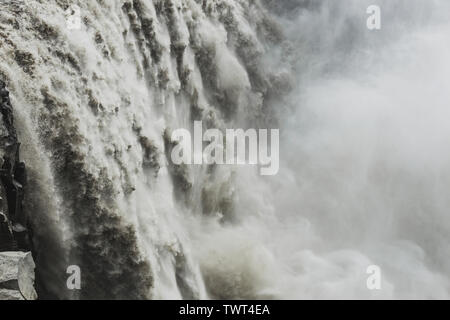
{"x": 96, "y": 106}
{"x": 363, "y": 161}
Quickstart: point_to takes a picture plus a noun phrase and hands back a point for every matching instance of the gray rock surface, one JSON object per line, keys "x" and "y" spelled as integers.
{"x": 6, "y": 294}
{"x": 17, "y": 276}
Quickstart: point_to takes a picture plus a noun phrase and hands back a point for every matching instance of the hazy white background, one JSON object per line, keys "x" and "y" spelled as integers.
{"x": 365, "y": 161}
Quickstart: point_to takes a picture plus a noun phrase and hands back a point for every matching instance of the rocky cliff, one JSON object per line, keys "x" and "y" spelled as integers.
{"x": 16, "y": 266}
{"x": 17, "y": 276}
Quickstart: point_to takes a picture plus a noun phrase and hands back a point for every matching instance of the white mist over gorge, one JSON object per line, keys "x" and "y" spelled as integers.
{"x": 363, "y": 176}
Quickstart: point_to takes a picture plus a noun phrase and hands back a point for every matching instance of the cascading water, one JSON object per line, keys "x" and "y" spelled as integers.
{"x": 362, "y": 117}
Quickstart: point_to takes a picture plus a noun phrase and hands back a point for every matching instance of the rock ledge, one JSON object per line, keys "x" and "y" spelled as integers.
{"x": 17, "y": 276}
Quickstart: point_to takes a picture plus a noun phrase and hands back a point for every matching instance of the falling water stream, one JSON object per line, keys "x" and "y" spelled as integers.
{"x": 364, "y": 135}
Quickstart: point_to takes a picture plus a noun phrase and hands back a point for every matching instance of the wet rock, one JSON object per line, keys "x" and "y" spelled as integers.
{"x": 6, "y": 294}
{"x": 17, "y": 276}
{"x": 26, "y": 277}
{"x": 25, "y": 60}
{"x": 8, "y": 135}
{"x": 7, "y": 242}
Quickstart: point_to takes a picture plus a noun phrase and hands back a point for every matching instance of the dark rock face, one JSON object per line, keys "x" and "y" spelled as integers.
{"x": 13, "y": 223}
{"x": 8, "y": 138}
{"x": 7, "y": 242}
{"x": 16, "y": 268}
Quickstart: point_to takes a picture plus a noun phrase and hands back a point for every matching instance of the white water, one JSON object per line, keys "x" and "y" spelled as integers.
{"x": 366, "y": 156}
{"x": 364, "y": 163}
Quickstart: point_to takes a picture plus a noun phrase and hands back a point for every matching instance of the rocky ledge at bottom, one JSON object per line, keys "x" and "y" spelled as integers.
{"x": 17, "y": 276}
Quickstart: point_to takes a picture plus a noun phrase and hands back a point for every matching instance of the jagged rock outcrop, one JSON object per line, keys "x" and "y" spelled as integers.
{"x": 13, "y": 222}
{"x": 16, "y": 267}
{"x": 17, "y": 276}
{"x": 6, "y": 234}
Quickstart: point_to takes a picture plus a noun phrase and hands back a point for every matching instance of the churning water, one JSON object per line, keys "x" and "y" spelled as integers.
{"x": 364, "y": 133}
